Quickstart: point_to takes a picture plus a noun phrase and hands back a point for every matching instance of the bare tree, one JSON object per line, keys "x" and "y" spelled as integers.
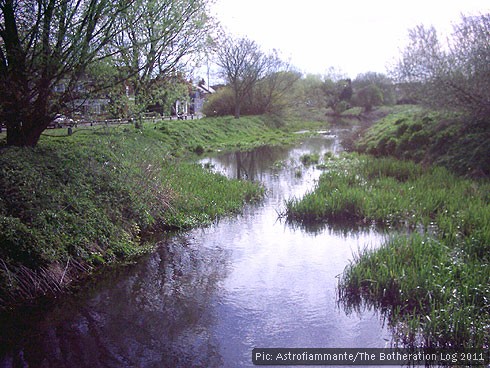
{"x": 242, "y": 64}
{"x": 274, "y": 90}
{"x": 456, "y": 76}
{"x": 44, "y": 43}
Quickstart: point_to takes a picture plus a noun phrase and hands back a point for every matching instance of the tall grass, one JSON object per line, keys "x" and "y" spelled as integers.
{"x": 75, "y": 203}
{"x": 433, "y": 285}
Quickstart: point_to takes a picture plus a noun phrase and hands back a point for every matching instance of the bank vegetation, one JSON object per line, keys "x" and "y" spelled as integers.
{"x": 75, "y": 203}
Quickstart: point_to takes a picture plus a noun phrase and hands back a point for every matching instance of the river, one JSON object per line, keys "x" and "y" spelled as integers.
{"x": 207, "y": 297}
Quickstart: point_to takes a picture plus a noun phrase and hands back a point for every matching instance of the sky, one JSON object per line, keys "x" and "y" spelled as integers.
{"x": 351, "y": 36}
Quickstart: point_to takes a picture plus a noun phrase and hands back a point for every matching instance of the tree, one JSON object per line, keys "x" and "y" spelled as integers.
{"x": 164, "y": 35}
{"x": 380, "y": 81}
{"x": 220, "y": 103}
{"x": 369, "y": 96}
{"x": 242, "y": 64}
{"x": 337, "y": 94}
{"x": 454, "y": 77}
{"x": 310, "y": 92}
{"x": 273, "y": 93}
{"x": 44, "y": 43}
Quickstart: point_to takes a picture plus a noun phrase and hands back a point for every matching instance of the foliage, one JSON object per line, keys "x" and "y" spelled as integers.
{"x": 220, "y": 103}
{"x": 283, "y": 92}
{"x": 431, "y": 296}
{"x": 260, "y": 82}
{"x": 435, "y": 283}
{"x": 380, "y": 81}
{"x": 309, "y": 92}
{"x": 272, "y": 95}
{"x": 47, "y": 47}
{"x": 368, "y": 97}
{"x": 334, "y": 94}
{"x": 242, "y": 64}
{"x": 44, "y": 43}
{"x": 337, "y": 94}
{"x": 152, "y": 53}
{"x": 309, "y": 158}
{"x": 453, "y": 77}
{"x": 75, "y": 202}
{"x": 430, "y": 137}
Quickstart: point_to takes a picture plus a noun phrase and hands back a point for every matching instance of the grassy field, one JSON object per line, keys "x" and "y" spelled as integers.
{"x": 432, "y": 283}
{"x": 78, "y": 202}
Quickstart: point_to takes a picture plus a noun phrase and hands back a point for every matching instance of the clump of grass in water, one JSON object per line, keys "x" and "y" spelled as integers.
{"x": 204, "y": 195}
{"x": 309, "y": 158}
{"x": 435, "y": 287}
{"x": 426, "y": 293}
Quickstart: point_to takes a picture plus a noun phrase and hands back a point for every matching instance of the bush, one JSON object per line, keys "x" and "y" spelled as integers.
{"x": 221, "y": 103}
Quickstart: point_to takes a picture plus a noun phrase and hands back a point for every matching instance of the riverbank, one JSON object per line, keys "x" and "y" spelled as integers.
{"x": 411, "y": 132}
{"x": 431, "y": 280}
{"x": 77, "y": 203}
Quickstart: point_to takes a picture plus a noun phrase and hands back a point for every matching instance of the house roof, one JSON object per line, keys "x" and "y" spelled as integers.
{"x": 205, "y": 88}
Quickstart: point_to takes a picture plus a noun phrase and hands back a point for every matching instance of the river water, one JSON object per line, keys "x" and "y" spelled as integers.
{"x": 207, "y": 297}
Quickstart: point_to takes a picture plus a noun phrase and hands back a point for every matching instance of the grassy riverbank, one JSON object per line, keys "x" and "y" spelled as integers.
{"x": 77, "y": 202}
{"x": 446, "y": 139}
{"x": 433, "y": 282}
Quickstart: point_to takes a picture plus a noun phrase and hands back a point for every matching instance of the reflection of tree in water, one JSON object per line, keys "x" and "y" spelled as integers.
{"x": 156, "y": 316}
{"x": 251, "y": 165}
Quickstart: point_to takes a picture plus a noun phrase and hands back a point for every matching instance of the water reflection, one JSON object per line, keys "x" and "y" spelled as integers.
{"x": 145, "y": 315}
{"x": 206, "y": 298}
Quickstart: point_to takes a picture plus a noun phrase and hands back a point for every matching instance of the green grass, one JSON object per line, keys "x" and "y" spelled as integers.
{"x": 425, "y": 289}
{"x": 434, "y": 284}
{"x": 77, "y": 202}
{"x": 310, "y": 158}
{"x": 445, "y": 139}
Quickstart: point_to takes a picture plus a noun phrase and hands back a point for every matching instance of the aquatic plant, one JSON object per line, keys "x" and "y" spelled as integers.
{"x": 309, "y": 158}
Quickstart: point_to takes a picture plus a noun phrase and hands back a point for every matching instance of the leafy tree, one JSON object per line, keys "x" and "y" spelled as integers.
{"x": 337, "y": 94}
{"x": 265, "y": 90}
{"x": 220, "y": 103}
{"x": 273, "y": 94}
{"x": 368, "y": 97}
{"x": 165, "y": 91}
{"x": 46, "y": 47}
{"x": 164, "y": 35}
{"x": 309, "y": 92}
{"x": 383, "y": 83}
{"x": 242, "y": 64}
{"x": 452, "y": 77}
{"x": 45, "y": 43}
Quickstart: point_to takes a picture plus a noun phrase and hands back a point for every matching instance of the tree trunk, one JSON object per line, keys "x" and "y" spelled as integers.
{"x": 26, "y": 130}
{"x": 238, "y": 104}
{"x": 23, "y": 137}
{"x": 237, "y": 111}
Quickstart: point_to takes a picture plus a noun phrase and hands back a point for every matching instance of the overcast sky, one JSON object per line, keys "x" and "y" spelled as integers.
{"x": 354, "y": 36}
